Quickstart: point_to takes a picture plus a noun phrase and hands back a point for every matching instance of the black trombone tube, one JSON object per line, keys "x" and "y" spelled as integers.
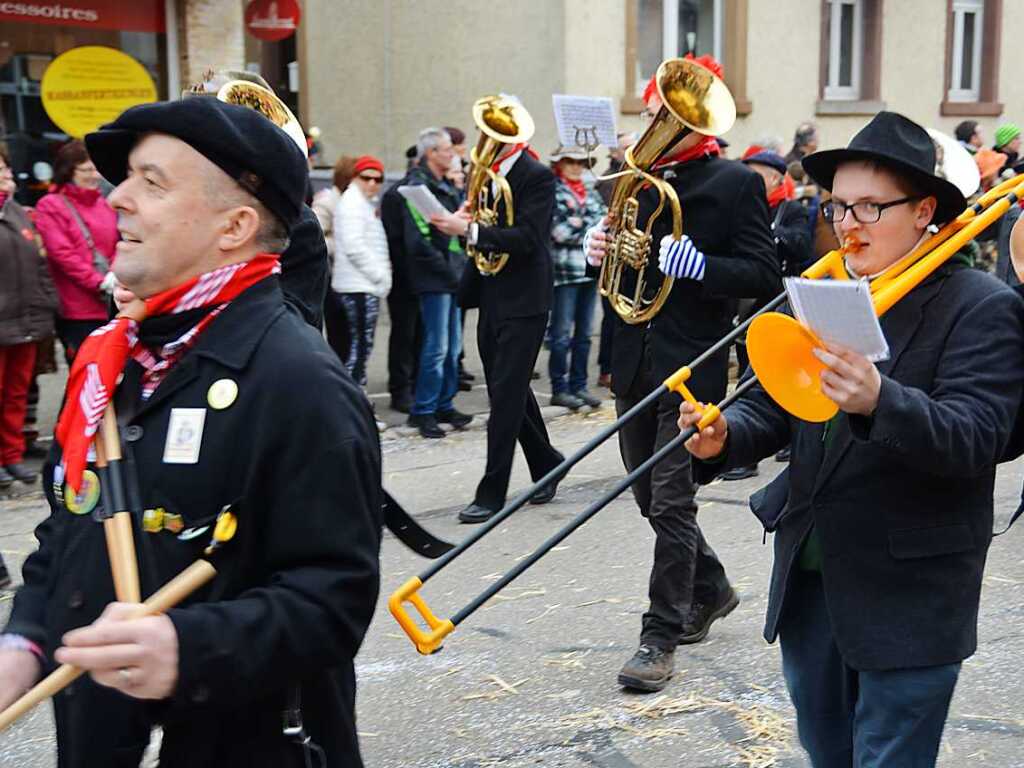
{"x": 593, "y": 509}
{"x": 562, "y": 469}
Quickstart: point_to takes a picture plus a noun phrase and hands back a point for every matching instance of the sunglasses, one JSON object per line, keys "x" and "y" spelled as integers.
{"x": 374, "y": 179}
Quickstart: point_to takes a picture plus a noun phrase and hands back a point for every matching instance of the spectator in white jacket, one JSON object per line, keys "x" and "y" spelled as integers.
{"x": 326, "y": 200}
{"x": 361, "y": 276}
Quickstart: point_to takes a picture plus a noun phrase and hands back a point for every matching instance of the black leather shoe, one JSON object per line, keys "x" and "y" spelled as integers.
{"x": 401, "y": 404}
{"x": 565, "y": 400}
{"x": 649, "y": 670}
{"x": 702, "y": 616}
{"x": 465, "y": 375}
{"x": 5, "y": 577}
{"x": 545, "y": 493}
{"x": 465, "y": 385}
{"x": 21, "y": 473}
{"x": 456, "y": 418}
{"x": 782, "y": 455}
{"x": 427, "y": 425}
{"x": 6, "y": 478}
{"x": 588, "y": 399}
{"x": 740, "y": 473}
{"x": 36, "y": 451}
{"x": 475, "y": 513}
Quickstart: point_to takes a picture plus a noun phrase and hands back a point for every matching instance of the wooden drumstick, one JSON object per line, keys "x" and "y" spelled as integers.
{"x": 168, "y": 596}
{"x": 172, "y": 593}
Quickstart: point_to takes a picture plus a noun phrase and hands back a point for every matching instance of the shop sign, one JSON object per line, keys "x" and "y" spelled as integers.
{"x": 86, "y": 87}
{"x": 272, "y": 20}
{"x": 134, "y": 16}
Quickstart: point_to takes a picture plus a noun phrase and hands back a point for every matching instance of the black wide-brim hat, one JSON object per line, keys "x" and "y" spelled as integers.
{"x": 262, "y": 158}
{"x": 904, "y": 146}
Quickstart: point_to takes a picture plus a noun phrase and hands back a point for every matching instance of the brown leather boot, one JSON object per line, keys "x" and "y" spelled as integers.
{"x": 650, "y": 669}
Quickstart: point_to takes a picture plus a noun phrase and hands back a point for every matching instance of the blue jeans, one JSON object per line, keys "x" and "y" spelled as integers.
{"x": 573, "y": 310}
{"x": 857, "y": 719}
{"x": 438, "y": 377}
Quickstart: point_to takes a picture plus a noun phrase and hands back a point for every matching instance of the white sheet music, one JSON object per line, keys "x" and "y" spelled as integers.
{"x": 422, "y": 199}
{"x": 839, "y": 311}
{"x": 589, "y": 113}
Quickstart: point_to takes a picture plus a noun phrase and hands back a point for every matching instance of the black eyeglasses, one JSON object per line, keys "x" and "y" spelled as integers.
{"x": 864, "y": 212}
{"x": 374, "y": 179}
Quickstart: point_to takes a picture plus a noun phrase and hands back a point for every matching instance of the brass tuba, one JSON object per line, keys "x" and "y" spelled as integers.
{"x": 502, "y": 120}
{"x": 693, "y": 99}
{"x": 250, "y": 90}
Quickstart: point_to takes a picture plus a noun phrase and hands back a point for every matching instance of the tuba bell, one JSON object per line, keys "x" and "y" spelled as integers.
{"x": 250, "y": 90}
{"x": 693, "y": 100}
{"x": 502, "y": 120}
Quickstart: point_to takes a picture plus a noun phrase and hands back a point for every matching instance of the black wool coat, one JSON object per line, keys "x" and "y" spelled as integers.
{"x": 433, "y": 261}
{"x": 305, "y": 269}
{"x": 525, "y": 286}
{"x": 902, "y": 500}
{"x": 296, "y": 455}
{"x": 725, "y": 214}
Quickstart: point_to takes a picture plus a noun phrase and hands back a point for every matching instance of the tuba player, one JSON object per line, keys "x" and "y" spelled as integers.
{"x": 726, "y": 252}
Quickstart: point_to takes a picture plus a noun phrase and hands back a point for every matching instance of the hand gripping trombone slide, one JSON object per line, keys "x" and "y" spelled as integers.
{"x": 794, "y": 384}
{"x": 168, "y": 596}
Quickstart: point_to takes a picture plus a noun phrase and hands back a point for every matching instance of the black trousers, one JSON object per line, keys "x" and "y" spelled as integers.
{"x": 339, "y": 335}
{"x": 403, "y": 344}
{"x": 685, "y": 567}
{"x": 604, "y": 350}
{"x": 509, "y": 351}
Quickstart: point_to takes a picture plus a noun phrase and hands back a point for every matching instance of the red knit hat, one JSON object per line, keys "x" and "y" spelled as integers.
{"x": 706, "y": 61}
{"x": 752, "y": 150}
{"x": 368, "y": 163}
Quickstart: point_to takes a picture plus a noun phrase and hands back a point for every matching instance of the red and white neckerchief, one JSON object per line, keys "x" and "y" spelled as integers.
{"x": 504, "y": 164}
{"x": 103, "y": 355}
{"x": 706, "y": 147}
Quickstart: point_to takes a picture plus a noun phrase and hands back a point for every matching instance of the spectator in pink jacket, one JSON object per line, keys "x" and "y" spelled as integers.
{"x": 79, "y": 230}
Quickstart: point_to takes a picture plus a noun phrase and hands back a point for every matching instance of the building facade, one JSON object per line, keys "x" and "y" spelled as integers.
{"x": 372, "y": 73}
{"x": 375, "y": 73}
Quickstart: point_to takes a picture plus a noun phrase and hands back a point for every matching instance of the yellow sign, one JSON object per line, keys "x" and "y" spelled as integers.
{"x": 86, "y": 87}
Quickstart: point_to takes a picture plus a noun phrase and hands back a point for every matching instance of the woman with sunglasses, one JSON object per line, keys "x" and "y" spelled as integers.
{"x": 362, "y": 271}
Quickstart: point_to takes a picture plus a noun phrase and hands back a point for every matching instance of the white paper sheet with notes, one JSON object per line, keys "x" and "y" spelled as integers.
{"x": 423, "y": 200}
{"x": 839, "y": 311}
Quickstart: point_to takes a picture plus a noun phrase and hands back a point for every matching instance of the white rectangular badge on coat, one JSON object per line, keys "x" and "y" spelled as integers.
{"x": 184, "y": 435}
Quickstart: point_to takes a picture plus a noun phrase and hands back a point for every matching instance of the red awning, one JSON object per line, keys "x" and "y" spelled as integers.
{"x": 136, "y": 16}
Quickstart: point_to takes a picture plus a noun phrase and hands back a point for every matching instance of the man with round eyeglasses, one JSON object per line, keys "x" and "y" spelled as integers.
{"x": 884, "y": 516}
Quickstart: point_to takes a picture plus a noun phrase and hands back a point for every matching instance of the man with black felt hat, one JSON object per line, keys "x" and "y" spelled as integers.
{"x": 207, "y": 194}
{"x": 884, "y": 515}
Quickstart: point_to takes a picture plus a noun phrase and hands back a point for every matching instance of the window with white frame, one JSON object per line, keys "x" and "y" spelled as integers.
{"x": 965, "y": 61}
{"x": 845, "y": 49}
{"x": 671, "y": 28}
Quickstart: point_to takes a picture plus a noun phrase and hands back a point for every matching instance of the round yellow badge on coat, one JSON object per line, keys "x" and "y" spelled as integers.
{"x": 222, "y": 394}
{"x": 88, "y": 494}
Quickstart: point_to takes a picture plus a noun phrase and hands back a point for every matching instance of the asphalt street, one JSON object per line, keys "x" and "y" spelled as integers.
{"x": 530, "y": 679}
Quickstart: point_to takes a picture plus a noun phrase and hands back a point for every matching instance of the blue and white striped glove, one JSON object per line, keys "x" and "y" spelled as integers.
{"x": 681, "y": 258}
